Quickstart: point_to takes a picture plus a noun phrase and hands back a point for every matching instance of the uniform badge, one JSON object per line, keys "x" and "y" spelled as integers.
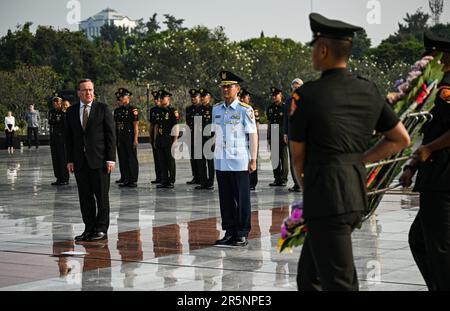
{"x": 445, "y": 94}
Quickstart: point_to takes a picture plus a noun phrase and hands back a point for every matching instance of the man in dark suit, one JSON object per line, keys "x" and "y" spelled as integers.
{"x": 91, "y": 155}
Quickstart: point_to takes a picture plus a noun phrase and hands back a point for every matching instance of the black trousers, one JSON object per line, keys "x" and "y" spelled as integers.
{"x": 194, "y": 162}
{"x": 168, "y": 167}
{"x": 128, "y": 159}
{"x": 206, "y": 171}
{"x": 156, "y": 161}
{"x": 326, "y": 261}
{"x": 59, "y": 161}
{"x": 9, "y": 139}
{"x": 33, "y": 131}
{"x": 281, "y": 169}
{"x": 93, "y": 191}
{"x": 429, "y": 239}
{"x": 234, "y": 196}
{"x": 291, "y": 165}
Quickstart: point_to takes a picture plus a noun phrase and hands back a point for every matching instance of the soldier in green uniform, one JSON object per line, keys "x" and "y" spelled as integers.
{"x": 245, "y": 97}
{"x": 279, "y": 155}
{"x": 332, "y": 122}
{"x": 154, "y": 112}
{"x": 193, "y": 111}
{"x": 127, "y": 128}
{"x": 205, "y": 165}
{"x": 429, "y": 237}
{"x": 166, "y": 134}
{"x": 56, "y": 120}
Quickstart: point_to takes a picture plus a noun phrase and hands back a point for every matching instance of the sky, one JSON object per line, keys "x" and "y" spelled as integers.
{"x": 242, "y": 19}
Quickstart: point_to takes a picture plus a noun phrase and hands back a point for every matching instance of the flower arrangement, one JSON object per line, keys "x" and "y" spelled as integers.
{"x": 293, "y": 229}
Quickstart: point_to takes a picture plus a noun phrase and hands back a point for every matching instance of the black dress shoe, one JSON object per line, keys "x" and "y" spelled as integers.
{"x": 131, "y": 185}
{"x": 56, "y": 183}
{"x": 97, "y": 236}
{"x": 120, "y": 181}
{"x": 192, "y": 182}
{"x": 240, "y": 241}
{"x": 227, "y": 240}
{"x": 83, "y": 237}
{"x": 156, "y": 181}
{"x": 165, "y": 186}
{"x": 252, "y": 188}
{"x": 209, "y": 187}
{"x": 294, "y": 189}
{"x": 275, "y": 184}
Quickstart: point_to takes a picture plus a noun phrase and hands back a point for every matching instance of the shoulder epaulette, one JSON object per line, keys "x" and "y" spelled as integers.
{"x": 245, "y": 105}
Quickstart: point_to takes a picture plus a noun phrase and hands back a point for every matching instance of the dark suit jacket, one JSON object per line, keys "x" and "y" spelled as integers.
{"x": 97, "y": 142}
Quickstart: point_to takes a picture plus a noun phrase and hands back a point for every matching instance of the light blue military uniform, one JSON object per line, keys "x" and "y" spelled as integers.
{"x": 232, "y": 125}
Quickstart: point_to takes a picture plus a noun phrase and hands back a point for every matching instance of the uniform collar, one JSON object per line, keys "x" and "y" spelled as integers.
{"x": 233, "y": 104}
{"x": 334, "y": 71}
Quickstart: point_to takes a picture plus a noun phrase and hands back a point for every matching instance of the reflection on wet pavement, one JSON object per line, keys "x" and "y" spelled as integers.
{"x": 162, "y": 240}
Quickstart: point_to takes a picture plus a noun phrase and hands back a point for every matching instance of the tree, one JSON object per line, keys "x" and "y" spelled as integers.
{"x": 153, "y": 25}
{"x": 172, "y": 23}
{"x": 414, "y": 26}
{"x": 112, "y": 33}
{"x": 361, "y": 44}
{"x": 436, "y": 7}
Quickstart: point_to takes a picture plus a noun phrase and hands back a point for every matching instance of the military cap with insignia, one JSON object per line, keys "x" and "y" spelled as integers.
{"x": 194, "y": 92}
{"x": 275, "y": 91}
{"x": 204, "y": 92}
{"x": 323, "y": 27}
{"x": 124, "y": 92}
{"x": 163, "y": 93}
{"x": 244, "y": 92}
{"x": 434, "y": 43}
{"x": 155, "y": 95}
{"x": 229, "y": 78}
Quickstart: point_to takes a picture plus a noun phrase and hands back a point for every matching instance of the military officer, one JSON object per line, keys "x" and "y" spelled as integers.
{"x": 331, "y": 125}
{"x": 116, "y": 115}
{"x": 193, "y": 111}
{"x": 166, "y": 134}
{"x": 235, "y": 155}
{"x": 154, "y": 112}
{"x": 429, "y": 236}
{"x": 205, "y": 165}
{"x": 127, "y": 125}
{"x": 296, "y": 83}
{"x": 245, "y": 97}
{"x": 275, "y": 118}
{"x": 56, "y": 120}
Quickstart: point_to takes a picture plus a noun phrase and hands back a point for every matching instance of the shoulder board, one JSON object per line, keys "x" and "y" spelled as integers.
{"x": 245, "y": 105}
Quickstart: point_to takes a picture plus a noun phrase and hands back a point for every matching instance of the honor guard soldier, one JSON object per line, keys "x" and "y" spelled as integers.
{"x": 275, "y": 117}
{"x": 154, "y": 112}
{"x": 116, "y": 114}
{"x": 127, "y": 125}
{"x": 166, "y": 125}
{"x": 205, "y": 165}
{"x": 234, "y": 158}
{"x": 245, "y": 97}
{"x": 332, "y": 122}
{"x": 429, "y": 237}
{"x": 56, "y": 121}
{"x": 295, "y": 84}
{"x": 192, "y": 111}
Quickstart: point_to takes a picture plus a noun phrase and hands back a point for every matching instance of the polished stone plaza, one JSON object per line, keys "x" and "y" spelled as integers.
{"x": 162, "y": 239}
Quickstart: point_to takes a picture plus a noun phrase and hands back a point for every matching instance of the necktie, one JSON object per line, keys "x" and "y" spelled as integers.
{"x": 85, "y": 117}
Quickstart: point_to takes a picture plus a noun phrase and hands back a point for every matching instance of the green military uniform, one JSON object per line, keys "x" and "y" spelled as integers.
{"x": 254, "y": 175}
{"x": 205, "y": 166}
{"x": 125, "y": 116}
{"x": 56, "y": 121}
{"x": 334, "y": 117}
{"x": 167, "y": 118}
{"x": 193, "y": 111}
{"x": 115, "y": 112}
{"x": 279, "y": 155}
{"x": 429, "y": 237}
{"x": 154, "y": 114}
